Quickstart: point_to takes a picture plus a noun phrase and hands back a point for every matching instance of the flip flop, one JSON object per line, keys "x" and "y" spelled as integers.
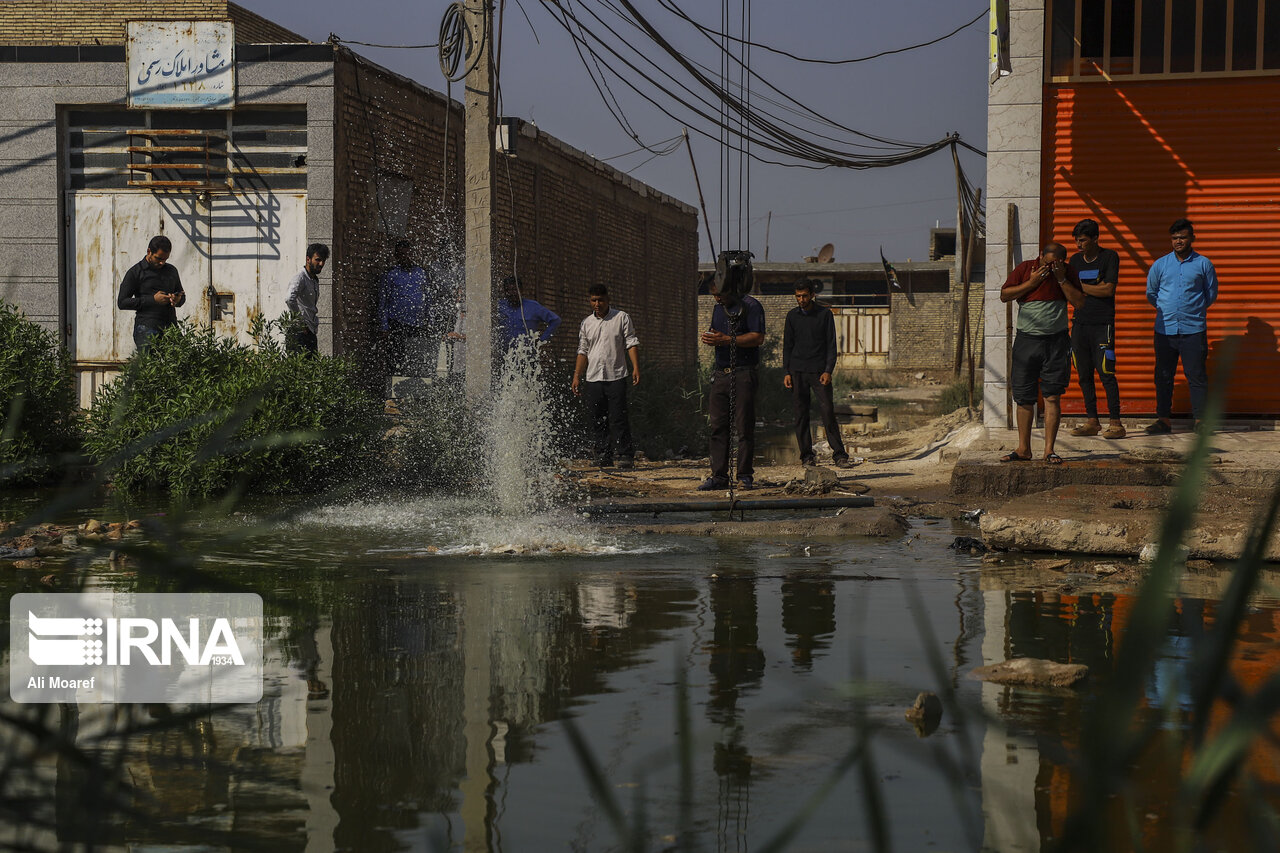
{"x": 1053, "y": 459}
{"x": 1012, "y": 456}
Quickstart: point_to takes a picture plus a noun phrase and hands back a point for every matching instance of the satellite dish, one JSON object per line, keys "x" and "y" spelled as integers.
{"x": 827, "y": 254}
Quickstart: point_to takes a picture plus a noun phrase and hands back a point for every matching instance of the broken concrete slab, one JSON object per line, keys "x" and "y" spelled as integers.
{"x": 980, "y": 473}
{"x": 1033, "y": 672}
{"x": 1121, "y": 521}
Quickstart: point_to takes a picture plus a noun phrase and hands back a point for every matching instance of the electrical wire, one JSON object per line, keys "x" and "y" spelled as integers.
{"x": 777, "y": 136}
{"x": 673, "y": 144}
{"x": 676, "y": 10}
{"x": 335, "y": 39}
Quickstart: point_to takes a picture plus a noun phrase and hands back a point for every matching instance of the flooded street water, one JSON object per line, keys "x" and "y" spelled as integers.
{"x": 425, "y": 658}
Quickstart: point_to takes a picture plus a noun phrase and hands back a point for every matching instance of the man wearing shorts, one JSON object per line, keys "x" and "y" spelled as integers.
{"x": 1042, "y": 348}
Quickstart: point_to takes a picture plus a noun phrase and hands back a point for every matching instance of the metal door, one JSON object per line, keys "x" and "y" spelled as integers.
{"x": 1135, "y": 156}
{"x": 238, "y": 249}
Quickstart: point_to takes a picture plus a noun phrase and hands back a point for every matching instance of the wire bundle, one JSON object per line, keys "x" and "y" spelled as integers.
{"x": 713, "y": 106}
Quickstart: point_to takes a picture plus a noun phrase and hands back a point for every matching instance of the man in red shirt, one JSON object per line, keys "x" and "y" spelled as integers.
{"x": 1041, "y": 362}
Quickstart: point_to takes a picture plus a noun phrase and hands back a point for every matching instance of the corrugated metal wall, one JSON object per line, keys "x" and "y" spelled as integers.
{"x": 1137, "y": 156}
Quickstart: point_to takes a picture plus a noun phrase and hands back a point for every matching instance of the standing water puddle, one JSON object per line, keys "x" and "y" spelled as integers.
{"x": 430, "y": 661}
{"x": 425, "y": 657}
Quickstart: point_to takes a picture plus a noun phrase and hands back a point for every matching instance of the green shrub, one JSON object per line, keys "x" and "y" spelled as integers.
{"x": 38, "y": 391}
{"x": 956, "y": 396}
{"x": 668, "y": 410}
{"x": 201, "y": 415}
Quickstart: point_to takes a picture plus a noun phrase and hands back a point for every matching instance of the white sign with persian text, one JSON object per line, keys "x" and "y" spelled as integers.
{"x": 181, "y": 65}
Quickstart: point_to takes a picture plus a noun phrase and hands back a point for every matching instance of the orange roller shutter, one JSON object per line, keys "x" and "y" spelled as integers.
{"x": 1137, "y": 156}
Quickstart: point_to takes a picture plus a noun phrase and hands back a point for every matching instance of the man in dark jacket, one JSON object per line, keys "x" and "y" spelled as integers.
{"x": 808, "y": 360}
{"x": 153, "y": 289}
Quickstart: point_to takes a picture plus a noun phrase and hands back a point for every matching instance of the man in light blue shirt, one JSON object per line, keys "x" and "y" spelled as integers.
{"x": 1181, "y": 285}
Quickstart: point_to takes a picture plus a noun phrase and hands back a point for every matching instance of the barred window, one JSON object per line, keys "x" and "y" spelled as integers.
{"x": 247, "y": 150}
{"x": 1106, "y": 39}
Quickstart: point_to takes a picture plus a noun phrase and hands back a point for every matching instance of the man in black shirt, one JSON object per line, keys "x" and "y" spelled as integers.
{"x": 737, "y": 331}
{"x": 808, "y": 360}
{"x": 153, "y": 289}
{"x": 1093, "y": 328}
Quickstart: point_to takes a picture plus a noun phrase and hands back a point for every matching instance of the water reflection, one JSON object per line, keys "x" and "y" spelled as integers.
{"x": 412, "y": 703}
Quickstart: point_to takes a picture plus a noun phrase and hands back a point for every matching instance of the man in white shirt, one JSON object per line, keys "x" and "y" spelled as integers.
{"x": 606, "y": 341}
{"x": 302, "y": 295}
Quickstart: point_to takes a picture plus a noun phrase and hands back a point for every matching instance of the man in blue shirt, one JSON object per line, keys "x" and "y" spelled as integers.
{"x": 518, "y": 317}
{"x": 1181, "y": 285}
{"x": 403, "y": 308}
{"x": 737, "y": 331}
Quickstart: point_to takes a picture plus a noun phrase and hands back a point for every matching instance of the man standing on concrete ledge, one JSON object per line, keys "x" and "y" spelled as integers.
{"x": 606, "y": 341}
{"x": 737, "y": 323}
{"x": 1042, "y": 347}
{"x": 152, "y": 288}
{"x": 1181, "y": 285}
{"x": 808, "y": 360}
{"x": 1093, "y": 329}
{"x": 303, "y": 296}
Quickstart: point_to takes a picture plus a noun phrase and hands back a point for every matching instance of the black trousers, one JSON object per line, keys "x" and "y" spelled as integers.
{"x": 301, "y": 339}
{"x": 744, "y": 380}
{"x": 607, "y": 411}
{"x": 801, "y": 385}
{"x": 1090, "y": 342}
{"x": 398, "y": 337}
{"x": 1193, "y": 349}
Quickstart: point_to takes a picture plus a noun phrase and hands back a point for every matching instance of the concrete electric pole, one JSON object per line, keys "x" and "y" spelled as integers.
{"x": 479, "y": 190}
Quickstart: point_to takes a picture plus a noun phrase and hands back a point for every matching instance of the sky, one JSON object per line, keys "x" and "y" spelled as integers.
{"x": 920, "y": 96}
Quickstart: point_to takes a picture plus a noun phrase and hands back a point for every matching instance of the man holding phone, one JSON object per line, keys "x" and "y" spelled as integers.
{"x": 153, "y": 289}
{"x": 1042, "y": 348}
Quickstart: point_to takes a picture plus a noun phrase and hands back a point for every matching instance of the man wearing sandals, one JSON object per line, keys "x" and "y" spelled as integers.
{"x": 1093, "y": 346}
{"x": 1042, "y": 348}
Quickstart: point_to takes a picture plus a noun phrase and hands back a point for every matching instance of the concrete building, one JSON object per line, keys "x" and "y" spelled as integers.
{"x": 306, "y": 143}
{"x": 1135, "y": 113}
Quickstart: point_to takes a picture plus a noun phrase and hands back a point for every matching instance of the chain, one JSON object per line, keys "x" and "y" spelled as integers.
{"x": 733, "y": 401}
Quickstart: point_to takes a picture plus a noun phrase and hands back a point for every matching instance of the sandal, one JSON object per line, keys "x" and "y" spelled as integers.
{"x": 1053, "y": 459}
{"x": 1012, "y": 456}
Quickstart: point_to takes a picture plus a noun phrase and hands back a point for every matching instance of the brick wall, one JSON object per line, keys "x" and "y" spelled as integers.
{"x": 388, "y": 131}
{"x": 924, "y": 333}
{"x": 66, "y": 22}
{"x": 574, "y": 220}
{"x": 578, "y": 221}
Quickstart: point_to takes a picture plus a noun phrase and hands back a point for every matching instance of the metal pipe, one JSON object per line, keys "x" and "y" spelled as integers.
{"x": 723, "y": 505}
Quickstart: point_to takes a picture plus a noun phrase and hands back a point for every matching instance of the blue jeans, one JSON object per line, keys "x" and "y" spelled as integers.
{"x": 1193, "y": 349}
{"x": 142, "y": 334}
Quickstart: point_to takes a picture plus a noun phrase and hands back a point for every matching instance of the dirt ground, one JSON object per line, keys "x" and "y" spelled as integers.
{"x": 908, "y": 471}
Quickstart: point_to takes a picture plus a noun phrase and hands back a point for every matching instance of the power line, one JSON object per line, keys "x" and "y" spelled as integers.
{"x": 676, "y": 10}
{"x": 776, "y": 134}
{"x": 335, "y": 39}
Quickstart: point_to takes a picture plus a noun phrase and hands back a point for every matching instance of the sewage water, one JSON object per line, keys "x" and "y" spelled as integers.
{"x": 427, "y": 658}
{"x": 431, "y": 661}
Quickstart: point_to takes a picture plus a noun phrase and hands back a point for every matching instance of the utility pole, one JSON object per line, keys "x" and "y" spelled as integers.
{"x": 479, "y": 193}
